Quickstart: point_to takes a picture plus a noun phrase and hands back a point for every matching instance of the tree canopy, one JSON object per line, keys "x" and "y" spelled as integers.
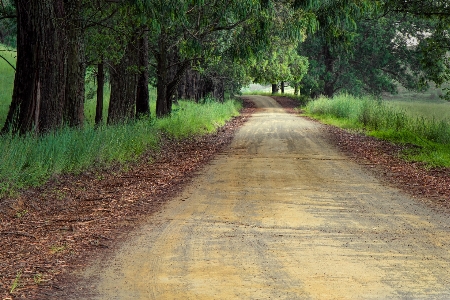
{"x": 198, "y": 48}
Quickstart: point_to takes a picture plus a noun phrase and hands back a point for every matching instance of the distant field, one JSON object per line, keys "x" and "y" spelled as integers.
{"x": 426, "y": 104}
{"x": 6, "y": 81}
{"x": 422, "y": 108}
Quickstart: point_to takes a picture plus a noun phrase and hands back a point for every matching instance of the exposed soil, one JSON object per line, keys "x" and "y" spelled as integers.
{"x": 51, "y": 231}
{"x": 48, "y": 232}
{"x": 384, "y": 159}
{"x": 280, "y": 214}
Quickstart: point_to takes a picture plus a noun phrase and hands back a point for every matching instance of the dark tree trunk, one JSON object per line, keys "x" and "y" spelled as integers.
{"x": 40, "y": 80}
{"x": 329, "y": 72}
{"x": 122, "y": 104}
{"x": 219, "y": 91}
{"x": 100, "y": 96}
{"x": 167, "y": 79}
{"x": 181, "y": 89}
{"x": 76, "y": 67}
{"x": 282, "y": 87}
{"x": 142, "y": 97}
{"x": 274, "y": 88}
{"x": 296, "y": 89}
{"x": 162, "y": 80}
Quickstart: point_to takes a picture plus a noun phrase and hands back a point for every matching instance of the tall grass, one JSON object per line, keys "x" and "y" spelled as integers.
{"x": 437, "y": 109}
{"x": 379, "y": 119}
{"x": 190, "y": 118}
{"x": 30, "y": 160}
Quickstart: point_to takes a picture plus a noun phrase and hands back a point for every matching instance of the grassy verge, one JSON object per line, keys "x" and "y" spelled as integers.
{"x": 430, "y": 136}
{"x": 30, "y": 161}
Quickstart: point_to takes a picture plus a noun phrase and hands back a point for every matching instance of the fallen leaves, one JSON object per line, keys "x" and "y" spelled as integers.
{"x": 48, "y": 232}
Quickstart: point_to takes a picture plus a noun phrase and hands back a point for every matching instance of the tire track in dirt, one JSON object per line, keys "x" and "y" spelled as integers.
{"x": 282, "y": 214}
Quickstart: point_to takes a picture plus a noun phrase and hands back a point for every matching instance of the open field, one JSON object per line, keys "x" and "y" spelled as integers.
{"x": 426, "y": 104}
{"x": 6, "y": 81}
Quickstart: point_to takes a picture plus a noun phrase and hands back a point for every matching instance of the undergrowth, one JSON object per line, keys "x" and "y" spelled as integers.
{"x": 30, "y": 161}
{"x": 429, "y": 138}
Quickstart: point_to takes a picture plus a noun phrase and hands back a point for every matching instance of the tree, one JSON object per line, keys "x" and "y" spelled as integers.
{"x": 280, "y": 62}
{"x": 298, "y": 66}
{"x": 435, "y": 47}
{"x": 273, "y": 67}
{"x": 184, "y": 32}
{"x": 379, "y": 56}
{"x": 40, "y": 82}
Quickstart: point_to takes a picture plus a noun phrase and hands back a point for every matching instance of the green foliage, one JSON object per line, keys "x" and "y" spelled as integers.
{"x": 16, "y": 283}
{"x": 377, "y": 57}
{"x": 8, "y": 26}
{"x": 439, "y": 110}
{"x": 30, "y": 161}
{"x": 430, "y": 136}
{"x": 435, "y": 47}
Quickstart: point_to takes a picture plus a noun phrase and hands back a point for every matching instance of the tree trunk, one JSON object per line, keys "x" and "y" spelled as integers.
{"x": 166, "y": 83}
{"x": 40, "y": 80}
{"x": 296, "y": 89}
{"x": 76, "y": 67}
{"x": 282, "y": 87}
{"x": 274, "y": 88}
{"x": 161, "y": 80}
{"x": 122, "y": 104}
{"x": 329, "y": 72}
{"x": 219, "y": 91}
{"x": 100, "y": 96}
{"x": 142, "y": 97}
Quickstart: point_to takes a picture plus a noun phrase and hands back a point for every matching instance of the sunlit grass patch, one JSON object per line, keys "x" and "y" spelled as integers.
{"x": 30, "y": 161}
{"x": 189, "y": 118}
{"x": 382, "y": 120}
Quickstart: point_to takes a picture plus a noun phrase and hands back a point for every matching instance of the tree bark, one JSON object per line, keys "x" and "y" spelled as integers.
{"x": 76, "y": 67}
{"x": 274, "y": 88}
{"x": 142, "y": 97}
{"x": 40, "y": 80}
{"x": 167, "y": 83}
{"x": 161, "y": 80}
{"x": 282, "y": 87}
{"x": 329, "y": 71}
{"x": 124, "y": 78}
{"x": 100, "y": 95}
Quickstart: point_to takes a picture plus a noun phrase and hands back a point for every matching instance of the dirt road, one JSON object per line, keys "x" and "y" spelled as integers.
{"x": 283, "y": 215}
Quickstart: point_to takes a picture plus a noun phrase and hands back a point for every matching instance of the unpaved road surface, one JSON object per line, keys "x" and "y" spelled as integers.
{"x": 282, "y": 215}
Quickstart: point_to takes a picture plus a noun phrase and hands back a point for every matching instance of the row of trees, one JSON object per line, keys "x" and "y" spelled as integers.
{"x": 194, "y": 48}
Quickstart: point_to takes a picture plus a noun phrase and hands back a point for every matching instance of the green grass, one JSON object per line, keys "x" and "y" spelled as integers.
{"x": 437, "y": 109}
{"x": 430, "y": 135}
{"x": 6, "y": 81}
{"x": 30, "y": 161}
{"x": 189, "y": 118}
